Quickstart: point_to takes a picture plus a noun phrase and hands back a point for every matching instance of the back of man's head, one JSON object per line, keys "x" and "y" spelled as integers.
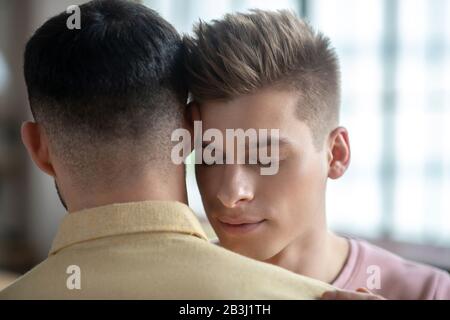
{"x": 110, "y": 93}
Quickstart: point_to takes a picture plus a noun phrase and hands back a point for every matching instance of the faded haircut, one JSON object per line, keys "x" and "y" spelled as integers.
{"x": 110, "y": 92}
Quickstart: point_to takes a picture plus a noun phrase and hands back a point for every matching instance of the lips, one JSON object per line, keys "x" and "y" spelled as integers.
{"x": 239, "y": 226}
{"x": 239, "y": 221}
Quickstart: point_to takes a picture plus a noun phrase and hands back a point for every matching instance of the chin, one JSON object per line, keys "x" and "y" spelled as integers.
{"x": 257, "y": 252}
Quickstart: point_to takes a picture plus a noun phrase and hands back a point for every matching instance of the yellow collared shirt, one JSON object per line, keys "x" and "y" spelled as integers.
{"x": 150, "y": 250}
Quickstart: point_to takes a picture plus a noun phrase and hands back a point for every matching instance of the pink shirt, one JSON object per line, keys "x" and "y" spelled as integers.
{"x": 391, "y": 276}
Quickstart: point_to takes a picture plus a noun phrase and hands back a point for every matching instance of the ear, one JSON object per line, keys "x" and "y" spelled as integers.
{"x": 36, "y": 142}
{"x": 339, "y": 153}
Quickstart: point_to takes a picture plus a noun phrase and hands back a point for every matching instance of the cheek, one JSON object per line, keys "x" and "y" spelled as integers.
{"x": 304, "y": 177}
{"x": 295, "y": 192}
{"x": 292, "y": 180}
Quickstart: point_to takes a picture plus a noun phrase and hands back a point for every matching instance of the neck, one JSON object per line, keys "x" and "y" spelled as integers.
{"x": 151, "y": 185}
{"x": 319, "y": 255}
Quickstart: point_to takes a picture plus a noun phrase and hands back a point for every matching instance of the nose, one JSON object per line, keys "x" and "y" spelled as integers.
{"x": 236, "y": 187}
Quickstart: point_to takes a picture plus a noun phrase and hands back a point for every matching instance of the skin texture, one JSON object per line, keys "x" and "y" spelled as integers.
{"x": 278, "y": 219}
{"x": 131, "y": 186}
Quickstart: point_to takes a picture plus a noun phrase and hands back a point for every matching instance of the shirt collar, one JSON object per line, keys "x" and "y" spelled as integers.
{"x": 126, "y": 218}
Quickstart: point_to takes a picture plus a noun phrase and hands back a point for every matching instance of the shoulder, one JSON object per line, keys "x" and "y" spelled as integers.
{"x": 34, "y": 284}
{"x": 254, "y": 277}
{"x": 401, "y": 278}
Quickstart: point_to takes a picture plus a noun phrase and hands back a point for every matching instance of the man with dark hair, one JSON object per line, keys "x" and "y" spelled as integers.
{"x": 106, "y": 99}
{"x": 271, "y": 70}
